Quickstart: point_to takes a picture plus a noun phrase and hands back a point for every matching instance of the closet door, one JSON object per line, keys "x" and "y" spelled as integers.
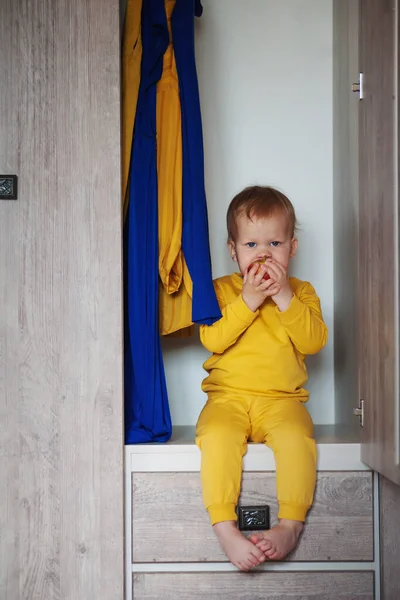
{"x": 61, "y": 441}
{"x": 378, "y": 238}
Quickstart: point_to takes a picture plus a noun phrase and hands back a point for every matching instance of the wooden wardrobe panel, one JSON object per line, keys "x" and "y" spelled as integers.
{"x": 253, "y": 586}
{"x": 377, "y": 239}
{"x": 168, "y": 507}
{"x": 61, "y": 441}
{"x": 345, "y": 208}
{"x": 390, "y": 538}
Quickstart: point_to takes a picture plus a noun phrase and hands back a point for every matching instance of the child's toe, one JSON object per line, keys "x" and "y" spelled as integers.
{"x": 256, "y": 538}
{"x": 264, "y": 546}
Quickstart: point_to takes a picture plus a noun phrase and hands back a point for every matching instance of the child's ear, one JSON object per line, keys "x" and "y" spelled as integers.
{"x": 232, "y": 250}
{"x": 293, "y": 247}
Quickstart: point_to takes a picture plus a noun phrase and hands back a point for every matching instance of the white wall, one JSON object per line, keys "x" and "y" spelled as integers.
{"x": 265, "y": 74}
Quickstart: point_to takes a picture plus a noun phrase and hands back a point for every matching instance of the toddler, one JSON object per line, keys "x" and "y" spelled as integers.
{"x": 256, "y": 374}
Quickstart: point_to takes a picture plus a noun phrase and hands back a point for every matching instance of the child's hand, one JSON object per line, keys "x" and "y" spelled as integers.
{"x": 284, "y": 295}
{"x": 256, "y": 289}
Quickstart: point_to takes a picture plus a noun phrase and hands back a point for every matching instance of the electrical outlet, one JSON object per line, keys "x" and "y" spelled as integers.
{"x": 253, "y": 518}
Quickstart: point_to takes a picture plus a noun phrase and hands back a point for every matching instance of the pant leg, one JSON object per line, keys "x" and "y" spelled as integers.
{"x": 169, "y": 169}
{"x": 286, "y": 427}
{"x": 221, "y": 434}
{"x": 175, "y": 294}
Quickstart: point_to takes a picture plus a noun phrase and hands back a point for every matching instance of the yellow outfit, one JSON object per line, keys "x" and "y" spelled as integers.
{"x": 175, "y": 298}
{"x": 131, "y": 61}
{"x": 255, "y": 392}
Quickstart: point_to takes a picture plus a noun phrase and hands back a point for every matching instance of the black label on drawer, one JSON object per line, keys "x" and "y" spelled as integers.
{"x": 253, "y": 518}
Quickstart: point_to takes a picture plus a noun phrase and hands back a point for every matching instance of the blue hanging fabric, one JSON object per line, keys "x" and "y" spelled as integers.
{"x": 147, "y": 415}
{"x": 195, "y": 237}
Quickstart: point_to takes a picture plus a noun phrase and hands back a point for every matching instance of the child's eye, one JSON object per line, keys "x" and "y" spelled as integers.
{"x": 251, "y": 244}
{"x": 275, "y": 244}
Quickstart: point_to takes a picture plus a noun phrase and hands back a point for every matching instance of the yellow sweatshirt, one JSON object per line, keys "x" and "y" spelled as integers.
{"x": 262, "y": 352}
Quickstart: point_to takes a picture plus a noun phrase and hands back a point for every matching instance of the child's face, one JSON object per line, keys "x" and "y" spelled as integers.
{"x": 259, "y": 238}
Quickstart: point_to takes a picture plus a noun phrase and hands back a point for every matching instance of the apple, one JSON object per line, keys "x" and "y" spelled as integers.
{"x": 261, "y": 261}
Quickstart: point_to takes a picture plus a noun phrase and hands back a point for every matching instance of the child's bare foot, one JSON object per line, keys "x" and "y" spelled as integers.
{"x": 278, "y": 542}
{"x": 241, "y": 552}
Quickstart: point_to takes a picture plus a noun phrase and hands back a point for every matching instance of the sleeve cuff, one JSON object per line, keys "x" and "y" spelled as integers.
{"x": 242, "y": 311}
{"x": 294, "y": 312}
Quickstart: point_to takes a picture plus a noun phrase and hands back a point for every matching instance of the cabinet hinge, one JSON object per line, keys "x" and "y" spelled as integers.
{"x": 359, "y": 87}
{"x": 359, "y": 412}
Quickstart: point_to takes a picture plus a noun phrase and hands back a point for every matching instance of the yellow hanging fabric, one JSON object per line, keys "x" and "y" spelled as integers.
{"x": 175, "y": 311}
{"x": 131, "y": 62}
{"x": 175, "y": 298}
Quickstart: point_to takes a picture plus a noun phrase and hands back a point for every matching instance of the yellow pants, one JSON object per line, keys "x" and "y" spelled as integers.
{"x": 225, "y": 425}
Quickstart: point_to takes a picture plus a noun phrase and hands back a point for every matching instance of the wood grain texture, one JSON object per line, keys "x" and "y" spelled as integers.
{"x": 61, "y": 444}
{"x": 168, "y": 507}
{"x": 390, "y": 538}
{"x": 345, "y": 207}
{"x": 377, "y": 246}
{"x": 253, "y": 586}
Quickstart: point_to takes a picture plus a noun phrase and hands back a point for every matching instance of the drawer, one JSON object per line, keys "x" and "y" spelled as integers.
{"x": 169, "y": 523}
{"x": 254, "y": 586}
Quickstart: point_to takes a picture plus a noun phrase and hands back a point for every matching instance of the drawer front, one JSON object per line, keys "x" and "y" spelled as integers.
{"x": 253, "y": 586}
{"x": 169, "y": 523}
